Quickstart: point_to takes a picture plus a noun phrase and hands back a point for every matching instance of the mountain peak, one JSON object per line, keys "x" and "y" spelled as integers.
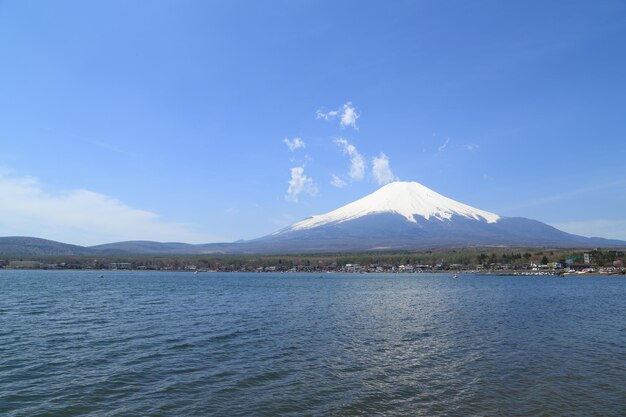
{"x": 408, "y": 199}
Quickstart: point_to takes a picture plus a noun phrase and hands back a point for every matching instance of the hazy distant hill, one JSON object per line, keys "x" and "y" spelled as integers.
{"x": 32, "y": 246}
{"x": 146, "y": 247}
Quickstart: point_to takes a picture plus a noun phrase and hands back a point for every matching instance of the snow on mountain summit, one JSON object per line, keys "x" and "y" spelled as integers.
{"x": 408, "y": 199}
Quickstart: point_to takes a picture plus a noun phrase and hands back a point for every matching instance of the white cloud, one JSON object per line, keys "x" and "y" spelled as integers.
{"x": 294, "y": 144}
{"x": 298, "y": 184}
{"x": 357, "y": 162}
{"x": 610, "y": 229}
{"x": 326, "y": 116}
{"x": 338, "y": 182}
{"x": 347, "y": 115}
{"x": 443, "y": 146}
{"x": 80, "y": 216}
{"x": 381, "y": 170}
{"x": 470, "y": 146}
{"x": 357, "y": 167}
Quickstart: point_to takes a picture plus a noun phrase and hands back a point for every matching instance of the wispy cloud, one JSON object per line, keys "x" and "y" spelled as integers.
{"x": 298, "y": 184}
{"x": 95, "y": 142}
{"x": 337, "y": 182}
{"x": 347, "y": 115}
{"x": 105, "y": 145}
{"x": 443, "y": 146}
{"x": 90, "y": 140}
{"x": 357, "y": 162}
{"x": 80, "y": 216}
{"x": 319, "y": 114}
{"x": 294, "y": 144}
{"x": 470, "y": 146}
{"x": 565, "y": 195}
{"x": 610, "y": 229}
{"x": 381, "y": 170}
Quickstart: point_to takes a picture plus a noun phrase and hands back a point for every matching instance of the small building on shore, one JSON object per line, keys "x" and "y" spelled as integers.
{"x": 120, "y": 265}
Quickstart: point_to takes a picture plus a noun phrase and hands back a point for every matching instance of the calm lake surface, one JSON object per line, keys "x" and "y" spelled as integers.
{"x": 178, "y": 344}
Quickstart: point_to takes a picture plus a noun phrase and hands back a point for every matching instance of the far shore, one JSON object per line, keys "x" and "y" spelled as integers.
{"x": 456, "y": 273}
{"x": 474, "y": 260}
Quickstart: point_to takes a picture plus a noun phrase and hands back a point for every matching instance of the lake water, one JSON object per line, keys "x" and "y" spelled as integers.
{"x": 178, "y": 344}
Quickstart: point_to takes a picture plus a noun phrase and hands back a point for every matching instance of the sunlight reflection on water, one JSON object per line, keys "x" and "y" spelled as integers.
{"x": 290, "y": 344}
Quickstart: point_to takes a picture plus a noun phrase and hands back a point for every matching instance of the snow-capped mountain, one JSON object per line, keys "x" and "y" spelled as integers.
{"x": 408, "y": 215}
{"x": 410, "y": 200}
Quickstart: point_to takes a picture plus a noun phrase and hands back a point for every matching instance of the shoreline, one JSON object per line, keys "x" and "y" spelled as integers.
{"x": 511, "y": 273}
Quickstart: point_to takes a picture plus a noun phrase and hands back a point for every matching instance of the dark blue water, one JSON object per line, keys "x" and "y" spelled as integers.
{"x": 161, "y": 344}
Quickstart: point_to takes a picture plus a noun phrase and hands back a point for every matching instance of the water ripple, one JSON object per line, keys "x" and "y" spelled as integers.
{"x": 158, "y": 344}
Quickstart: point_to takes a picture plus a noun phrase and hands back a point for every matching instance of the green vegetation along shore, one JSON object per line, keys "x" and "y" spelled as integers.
{"x": 466, "y": 259}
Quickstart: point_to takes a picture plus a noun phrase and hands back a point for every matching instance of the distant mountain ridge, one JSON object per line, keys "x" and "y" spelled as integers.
{"x": 144, "y": 247}
{"x": 32, "y": 246}
{"x": 14, "y": 246}
{"x": 398, "y": 216}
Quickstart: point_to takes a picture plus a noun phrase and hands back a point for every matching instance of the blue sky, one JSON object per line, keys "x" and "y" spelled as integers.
{"x": 167, "y": 120}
